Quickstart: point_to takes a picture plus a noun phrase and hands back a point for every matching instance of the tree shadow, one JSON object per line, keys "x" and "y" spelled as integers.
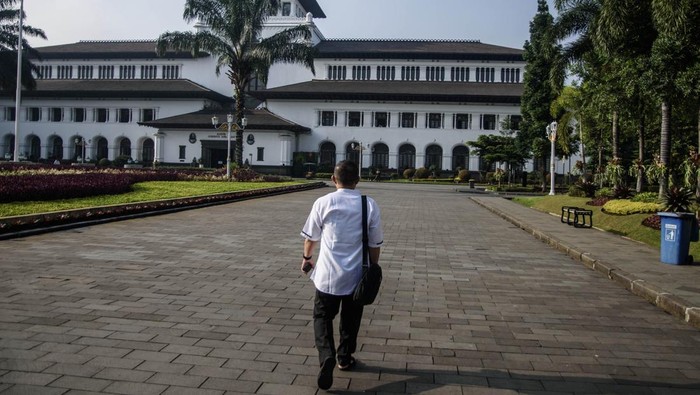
{"x": 367, "y": 379}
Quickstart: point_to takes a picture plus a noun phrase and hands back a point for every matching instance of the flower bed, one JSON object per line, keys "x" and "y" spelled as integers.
{"x": 22, "y": 223}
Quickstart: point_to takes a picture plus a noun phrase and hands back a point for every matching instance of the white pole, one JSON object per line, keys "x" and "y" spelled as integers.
{"x": 551, "y": 172}
{"x": 18, "y": 93}
{"x": 228, "y": 152}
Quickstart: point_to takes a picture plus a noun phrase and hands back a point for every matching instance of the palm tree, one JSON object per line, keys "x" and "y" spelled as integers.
{"x": 9, "y": 38}
{"x": 234, "y": 38}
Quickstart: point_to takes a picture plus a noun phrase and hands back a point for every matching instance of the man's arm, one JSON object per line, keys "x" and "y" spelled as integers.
{"x": 374, "y": 254}
{"x": 308, "y": 251}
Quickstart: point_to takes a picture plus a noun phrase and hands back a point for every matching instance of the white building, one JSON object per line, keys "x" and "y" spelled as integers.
{"x": 407, "y": 103}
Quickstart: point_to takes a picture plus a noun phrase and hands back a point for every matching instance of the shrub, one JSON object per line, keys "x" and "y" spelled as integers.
{"x": 278, "y": 178}
{"x": 121, "y": 160}
{"x": 604, "y": 192}
{"x": 622, "y": 192}
{"x": 575, "y": 191}
{"x": 463, "y": 175}
{"x": 244, "y": 174}
{"x": 104, "y": 162}
{"x": 324, "y": 175}
{"x": 409, "y": 173}
{"x": 678, "y": 200}
{"x": 626, "y": 207}
{"x": 588, "y": 188}
{"x": 646, "y": 197}
{"x": 421, "y": 173}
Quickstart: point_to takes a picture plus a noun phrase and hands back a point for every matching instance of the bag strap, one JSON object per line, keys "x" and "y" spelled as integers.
{"x": 365, "y": 237}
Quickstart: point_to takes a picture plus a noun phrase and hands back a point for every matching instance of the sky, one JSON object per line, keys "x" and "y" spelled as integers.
{"x": 498, "y": 22}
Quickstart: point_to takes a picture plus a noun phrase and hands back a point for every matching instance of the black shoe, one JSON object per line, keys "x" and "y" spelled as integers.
{"x": 325, "y": 376}
{"x": 347, "y": 363}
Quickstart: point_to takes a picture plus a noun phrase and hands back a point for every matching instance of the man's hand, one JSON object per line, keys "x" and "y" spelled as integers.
{"x": 306, "y": 265}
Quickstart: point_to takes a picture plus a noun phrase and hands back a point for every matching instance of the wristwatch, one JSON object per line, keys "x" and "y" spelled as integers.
{"x": 306, "y": 258}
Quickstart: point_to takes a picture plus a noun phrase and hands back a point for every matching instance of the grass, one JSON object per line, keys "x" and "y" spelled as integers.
{"x": 142, "y": 192}
{"x": 629, "y": 226}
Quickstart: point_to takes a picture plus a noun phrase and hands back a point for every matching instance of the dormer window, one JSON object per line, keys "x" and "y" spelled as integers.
{"x": 286, "y": 8}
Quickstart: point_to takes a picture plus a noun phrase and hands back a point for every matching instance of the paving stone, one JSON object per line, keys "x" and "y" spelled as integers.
{"x": 81, "y": 383}
{"x": 459, "y": 311}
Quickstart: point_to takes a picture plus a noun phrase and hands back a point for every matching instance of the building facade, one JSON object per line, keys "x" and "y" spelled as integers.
{"x": 389, "y": 104}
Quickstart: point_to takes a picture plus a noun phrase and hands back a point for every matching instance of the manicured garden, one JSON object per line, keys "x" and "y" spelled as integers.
{"x": 632, "y": 219}
{"x": 34, "y": 196}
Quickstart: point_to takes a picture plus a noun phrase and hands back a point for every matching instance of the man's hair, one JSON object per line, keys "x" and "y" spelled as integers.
{"x": 346, "y": 172}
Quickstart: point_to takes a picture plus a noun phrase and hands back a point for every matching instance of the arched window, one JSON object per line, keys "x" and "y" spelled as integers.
{"x": 57, "y": 148}
{"x": 380, "y": 156}
{"x": 125, "y": 147}
{"x": 34, "y": 148}
{"x": 352, "y": 153}
{"x": 407, "y": 157}
{"x": 433, "y": 156}
{"x": 102, "y": 149}
{"x": 460, "y": 157}
{"x": 148, "y": 151}
{"x": 327, "y": 155}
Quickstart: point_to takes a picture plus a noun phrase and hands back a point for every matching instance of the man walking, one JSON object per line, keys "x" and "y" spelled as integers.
{"x": 335, "y": 223}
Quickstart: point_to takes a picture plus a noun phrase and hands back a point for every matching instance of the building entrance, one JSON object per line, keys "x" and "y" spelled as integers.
{"x": 214, "y": 153}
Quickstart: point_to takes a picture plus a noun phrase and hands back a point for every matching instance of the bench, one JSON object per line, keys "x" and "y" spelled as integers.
{"x": 582, "y": 218}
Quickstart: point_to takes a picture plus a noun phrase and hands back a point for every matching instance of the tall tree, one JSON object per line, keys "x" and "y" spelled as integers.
{"x": 234, "y": 37}
{"x": 538, "y": 93}
{"x": 9, "y": 40}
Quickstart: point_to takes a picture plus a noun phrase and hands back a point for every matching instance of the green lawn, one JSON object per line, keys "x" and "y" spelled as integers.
{"x": 142, "y": 192}
{"x": 624, "y": 225}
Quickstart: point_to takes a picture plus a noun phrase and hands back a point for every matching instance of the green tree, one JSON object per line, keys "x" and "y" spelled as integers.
{"x": 9, "y": 38}
{"x": 538, "y": 93}
{"x": 493, "y": 149}
{"x": 233, "y": 36}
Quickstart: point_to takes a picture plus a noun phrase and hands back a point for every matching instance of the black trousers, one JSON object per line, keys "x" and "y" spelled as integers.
{"x": 326, "y": 307}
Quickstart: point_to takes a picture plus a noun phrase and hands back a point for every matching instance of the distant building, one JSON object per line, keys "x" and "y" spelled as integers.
{"x": 397, "y": 103}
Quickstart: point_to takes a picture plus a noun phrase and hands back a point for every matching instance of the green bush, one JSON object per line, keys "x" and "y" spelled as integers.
{"x": 646, "y": 197}
{"x": 409, "y": 173}
{"x": 575, "y": 191}
{"x": 626, "y": 207}
{"x": 421, "y": 173}
{"x": 120, "y": 161}
{"x": 604, "y": 192}
{"x": 104, "y": 162}
{"x": 325, "y": 176}
{"x": 463, "y": 175}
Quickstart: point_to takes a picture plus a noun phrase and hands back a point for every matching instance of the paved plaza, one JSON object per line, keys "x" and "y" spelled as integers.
{"x": 212, "y": 301}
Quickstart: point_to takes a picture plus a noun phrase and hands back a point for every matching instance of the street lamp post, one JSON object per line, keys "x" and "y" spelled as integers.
{"x": 229, "y": 124}
{"x": 359, "y": 148}
{"x": 81, "y": 142}
{"x": 552, "y": 136}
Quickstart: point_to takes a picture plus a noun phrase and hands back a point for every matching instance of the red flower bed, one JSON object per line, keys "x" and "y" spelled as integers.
{"x": 27, "y": 187}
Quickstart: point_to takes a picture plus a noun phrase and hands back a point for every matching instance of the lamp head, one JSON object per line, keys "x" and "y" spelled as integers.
{"x": 229, "y": 118}
{"x": 244, "y": 122}
{"x": 214, "y": 120}
{"x": 554, "y": 126}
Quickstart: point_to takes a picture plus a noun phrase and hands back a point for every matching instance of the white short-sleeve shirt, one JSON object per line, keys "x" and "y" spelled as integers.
{"x": 336, "y": 221}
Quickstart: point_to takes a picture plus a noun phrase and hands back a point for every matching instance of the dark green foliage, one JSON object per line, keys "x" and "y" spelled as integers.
{"x": 421, "y": 173}
{"x": 678, "y": 200}
{"x": 587, "y": 188}
{"x": 409, "y": 173}
{"x": 622, "y": 192}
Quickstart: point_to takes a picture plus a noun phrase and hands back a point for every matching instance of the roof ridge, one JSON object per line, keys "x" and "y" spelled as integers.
{"x": 118, "y": 41}
{"x": 437, "y": 40}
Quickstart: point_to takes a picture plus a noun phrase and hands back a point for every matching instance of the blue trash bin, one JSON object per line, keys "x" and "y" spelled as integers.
{"x": 677, "y": 230}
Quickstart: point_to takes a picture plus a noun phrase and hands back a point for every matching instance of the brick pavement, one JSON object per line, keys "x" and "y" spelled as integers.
{"x": 211, "y": 301}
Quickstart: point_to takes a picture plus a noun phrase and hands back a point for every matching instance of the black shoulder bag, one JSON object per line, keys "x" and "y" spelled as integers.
{"x": 368, "y": 287}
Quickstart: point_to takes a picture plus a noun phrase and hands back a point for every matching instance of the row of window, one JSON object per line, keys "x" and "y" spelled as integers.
{"x": 109, "y": 72}
{"x": 100, "y": 115}
{"x": 382, "y": 119}
{"x": 431, "y": 73}
{"x": 405, "y": 157}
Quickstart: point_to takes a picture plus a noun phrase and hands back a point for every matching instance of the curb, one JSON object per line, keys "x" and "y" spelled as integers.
{"x": 34, "y": 224}
{"x": 672, "y": 304}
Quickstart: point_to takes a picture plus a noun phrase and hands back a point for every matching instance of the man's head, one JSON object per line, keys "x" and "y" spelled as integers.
{"x": 345, "y": 174}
